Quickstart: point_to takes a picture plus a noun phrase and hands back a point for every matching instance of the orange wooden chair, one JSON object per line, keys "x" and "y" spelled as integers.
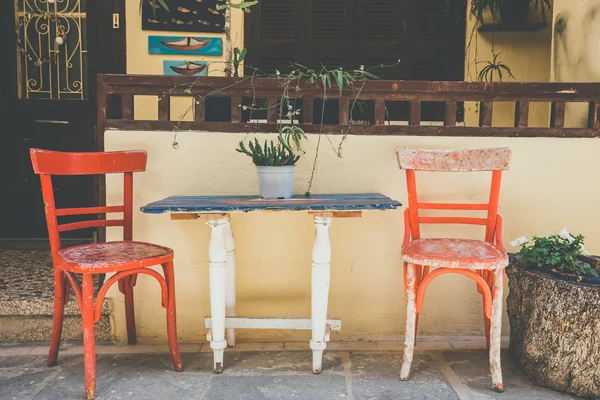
{"x": 482, "y": 261}
{"x": 125, "y": 259}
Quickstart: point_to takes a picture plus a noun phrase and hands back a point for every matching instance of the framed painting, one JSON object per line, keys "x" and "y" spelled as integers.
{"x": 184, "y": 16}
{"x": 187, "y": 45}
{"x": 185, "y": 68}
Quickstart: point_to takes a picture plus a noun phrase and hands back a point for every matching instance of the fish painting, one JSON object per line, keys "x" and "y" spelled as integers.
{"x": 185, "y": 16}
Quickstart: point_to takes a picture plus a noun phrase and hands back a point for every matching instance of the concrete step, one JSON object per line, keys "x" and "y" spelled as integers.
{"x": 26, "y": 301}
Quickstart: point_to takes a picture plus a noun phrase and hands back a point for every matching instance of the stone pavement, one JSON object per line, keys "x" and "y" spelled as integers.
{"x": 145, "y": 372}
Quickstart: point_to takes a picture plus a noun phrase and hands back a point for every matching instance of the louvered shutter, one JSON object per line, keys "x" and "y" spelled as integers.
{"x": 438, "y": 33}
{"x": 272, "y": 36}
{"x": 426, "y": 35}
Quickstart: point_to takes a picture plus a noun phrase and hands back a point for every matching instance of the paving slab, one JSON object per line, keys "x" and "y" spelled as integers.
{"x": 348, "y": 375}
{"x": 376, "y": 377}
{"x": 472, "y": 366}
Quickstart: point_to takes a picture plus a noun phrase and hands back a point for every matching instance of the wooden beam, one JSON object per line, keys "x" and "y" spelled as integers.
{"x": 486, "y": 109}
{"x": 164, "y": 108}
{"x": 336, "y": 214}
{"x": 362, "y": 130}
{"x": 272, "y": 323}
{"x": 379, "y": 112}
{"x": 522, "y": 114}
{"x": 557, "y": 114}
{"x": 450, "y": 113}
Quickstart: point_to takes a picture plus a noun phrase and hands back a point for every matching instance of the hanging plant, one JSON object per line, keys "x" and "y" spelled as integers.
{"x": 154, "y": 4}
{"x": 494, "y": 67}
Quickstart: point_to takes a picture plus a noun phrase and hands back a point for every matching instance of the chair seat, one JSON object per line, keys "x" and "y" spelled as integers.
{"x": 455, "y": 253}
{"x": 113, "y": 256}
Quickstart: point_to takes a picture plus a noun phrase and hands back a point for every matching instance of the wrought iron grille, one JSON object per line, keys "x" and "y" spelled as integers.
{"x": 52, "y": 49}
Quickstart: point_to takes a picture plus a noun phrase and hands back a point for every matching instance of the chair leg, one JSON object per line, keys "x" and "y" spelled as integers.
{"x": 171, "y": 317}
{"x": 411, "y": 319}
{"x": 89, "y": 342}
{"x": 486, "y": 327}
{"x": 126, "y": 286}
{"x": 57, "y": 319}
{"x": 496, "y": 331}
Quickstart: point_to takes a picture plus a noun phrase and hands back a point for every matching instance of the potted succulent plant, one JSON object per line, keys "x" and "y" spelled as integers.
{"x": 554, "y": 313}
{"x": 276, "y": 161}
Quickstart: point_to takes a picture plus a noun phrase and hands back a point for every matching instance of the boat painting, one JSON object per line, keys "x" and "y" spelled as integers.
{"x": 185, "y": 45}
{"x": 185, "y": 68}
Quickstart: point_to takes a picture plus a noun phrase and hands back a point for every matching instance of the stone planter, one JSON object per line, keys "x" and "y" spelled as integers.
{"x": 555, "y": 330}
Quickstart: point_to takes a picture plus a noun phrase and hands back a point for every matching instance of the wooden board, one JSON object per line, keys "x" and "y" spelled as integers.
{"x": 227, "y": 204}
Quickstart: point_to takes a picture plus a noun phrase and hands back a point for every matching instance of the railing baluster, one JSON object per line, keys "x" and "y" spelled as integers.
{"x": 486, "y": 109}
{"x": 164, "y": 108}
{"x": 236, "y": 110}
{"x": 557, "y": 114}
{"x": 594, "y": 118}
{"x": 307, "y": 111}
{"x": 380, "y": 112}
{"x": 272, "y": 110}
{"x": 344, "y": 111}
{"x": 450, "y": 114}
{"x": 415, "y": 113}
{"x": 199, "y": 109}
{"x": 127, "y": 106}
{"x": 521, "y": 114}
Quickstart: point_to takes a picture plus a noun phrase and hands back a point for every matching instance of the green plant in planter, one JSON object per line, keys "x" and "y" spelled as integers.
{"x": 558, "y": 252}
{"x": 269, "y": 155}
{"x": 273, "y": 154}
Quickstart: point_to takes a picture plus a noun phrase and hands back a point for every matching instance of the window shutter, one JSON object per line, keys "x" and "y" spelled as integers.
{"x": 426, "y": 35}
{"x": 382, "y": 36}
{"x": 438, "y": 40}
{"x": 272, "y": 35}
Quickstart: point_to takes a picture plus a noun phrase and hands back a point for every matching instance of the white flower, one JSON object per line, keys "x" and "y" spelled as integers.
{"x": 566, "y": 235}
{"x": 277, "y": 72}
{"x": 519, "y": 241}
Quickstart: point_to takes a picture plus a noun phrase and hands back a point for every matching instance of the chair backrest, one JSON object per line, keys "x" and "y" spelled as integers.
{"x": 47, "y": 163}
{"x": 476, "y": 160}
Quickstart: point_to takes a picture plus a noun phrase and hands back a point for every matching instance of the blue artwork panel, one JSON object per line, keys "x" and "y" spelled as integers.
{"x": 185, "y": 68}
{"x": 184, "y": 16}
{"x": 185, "y": 45}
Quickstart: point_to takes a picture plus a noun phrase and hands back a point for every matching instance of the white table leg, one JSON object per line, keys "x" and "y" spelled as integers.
{"x": 230, "y": 278}
{"x": 217, "y": 271}
{"x": 320, "y": 290}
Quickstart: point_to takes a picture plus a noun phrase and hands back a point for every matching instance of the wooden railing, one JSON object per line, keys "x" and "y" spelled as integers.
{"x": 377, "y": 92}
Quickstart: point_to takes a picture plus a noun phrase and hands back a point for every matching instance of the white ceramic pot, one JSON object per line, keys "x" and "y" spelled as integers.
{"x": 276, "y": 182}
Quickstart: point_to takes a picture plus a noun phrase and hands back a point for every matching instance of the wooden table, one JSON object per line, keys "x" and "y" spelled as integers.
{"x": 216, "y": 211}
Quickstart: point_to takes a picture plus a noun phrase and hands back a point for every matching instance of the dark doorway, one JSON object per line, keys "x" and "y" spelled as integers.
{"x": 51, "y": 53}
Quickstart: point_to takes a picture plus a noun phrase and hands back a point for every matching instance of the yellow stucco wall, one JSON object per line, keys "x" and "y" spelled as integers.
{"x": 274, "y": 250}
{"x": 526, "y": 53}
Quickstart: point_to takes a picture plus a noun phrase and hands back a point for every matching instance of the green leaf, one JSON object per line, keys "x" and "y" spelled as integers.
{"x": 339, "y": 80}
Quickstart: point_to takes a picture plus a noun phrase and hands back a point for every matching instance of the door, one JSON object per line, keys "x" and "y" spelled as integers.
{"x": 53, "y": 50}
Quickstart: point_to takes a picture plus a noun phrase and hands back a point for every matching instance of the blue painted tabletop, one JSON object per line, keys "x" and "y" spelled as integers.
{"x": 228, "y": 204}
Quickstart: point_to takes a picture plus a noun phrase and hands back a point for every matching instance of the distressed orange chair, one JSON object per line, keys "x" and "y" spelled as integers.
{"x": 125, "y": 259}
{"x": 482, "y": 261}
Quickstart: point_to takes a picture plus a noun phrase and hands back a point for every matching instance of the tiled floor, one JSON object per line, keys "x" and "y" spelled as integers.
{"x": 255, "y": 375}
